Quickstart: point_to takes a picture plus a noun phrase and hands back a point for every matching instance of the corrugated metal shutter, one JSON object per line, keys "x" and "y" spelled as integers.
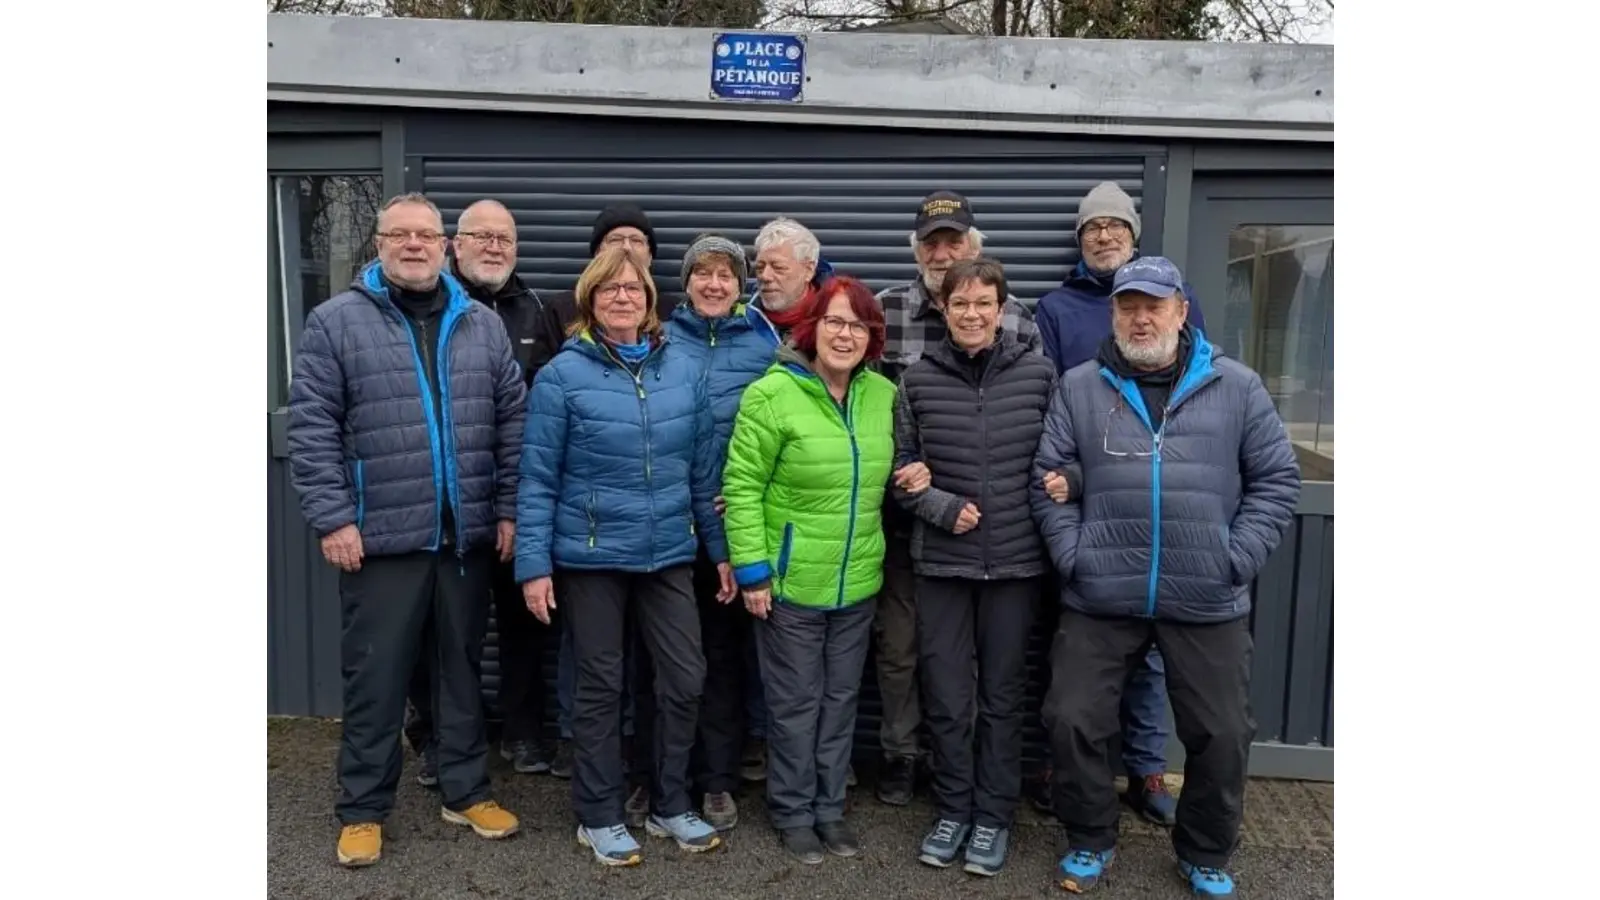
{"x": 860, "y": 209}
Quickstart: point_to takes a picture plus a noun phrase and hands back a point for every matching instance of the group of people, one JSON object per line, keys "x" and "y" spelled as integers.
{"x": 726, "y": 497}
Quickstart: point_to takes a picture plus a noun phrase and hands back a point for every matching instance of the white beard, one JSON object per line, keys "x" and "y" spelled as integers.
{"x": 1152, "y": 356}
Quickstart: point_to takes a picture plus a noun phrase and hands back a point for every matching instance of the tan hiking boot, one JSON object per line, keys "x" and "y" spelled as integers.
{"x": 486, "y": 818}
{"x": 360, "y": 844}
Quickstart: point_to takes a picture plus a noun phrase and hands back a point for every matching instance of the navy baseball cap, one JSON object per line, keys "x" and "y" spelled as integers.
{"x": 1153, "y": 275}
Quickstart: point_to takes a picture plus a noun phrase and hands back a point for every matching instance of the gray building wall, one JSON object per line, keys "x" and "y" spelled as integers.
{"x": 857, "y": 188}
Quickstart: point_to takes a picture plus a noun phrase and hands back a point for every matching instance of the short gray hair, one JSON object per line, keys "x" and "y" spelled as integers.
{"x": 977, "y": 239}
{"x": 485, "y": 203}
{"x": 413, "y": 197}
{"x": 784, "y": 230}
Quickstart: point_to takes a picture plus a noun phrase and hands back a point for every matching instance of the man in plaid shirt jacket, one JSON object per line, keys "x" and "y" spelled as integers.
{"x": 943, "y": 234}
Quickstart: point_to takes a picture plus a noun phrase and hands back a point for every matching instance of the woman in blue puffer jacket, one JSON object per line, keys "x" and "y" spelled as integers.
{"x": 616, "y": 494}
{"x": 734, "y": 345}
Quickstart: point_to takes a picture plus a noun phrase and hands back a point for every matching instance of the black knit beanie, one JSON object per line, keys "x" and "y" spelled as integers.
{"x": 617, "y": 215}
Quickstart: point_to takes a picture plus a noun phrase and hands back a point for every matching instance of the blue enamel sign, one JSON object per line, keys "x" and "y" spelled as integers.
{"x": 758, "y": 66}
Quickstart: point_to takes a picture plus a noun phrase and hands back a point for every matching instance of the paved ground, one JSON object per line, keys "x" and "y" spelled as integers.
{"x": 1287, "y": 851}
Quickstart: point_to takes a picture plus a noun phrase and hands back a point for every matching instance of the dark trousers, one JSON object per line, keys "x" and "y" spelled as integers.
{"x": 895, "y": 633}
{"x": 1208, "y": 670}
{"x": 958, "y": 618}
{"x": 596, "y": 605}
{"x": 811, "y": 662}
{"x": 726, "y": 635}
{"x": 522, "y": 641}
{"x": 386, "y": 607}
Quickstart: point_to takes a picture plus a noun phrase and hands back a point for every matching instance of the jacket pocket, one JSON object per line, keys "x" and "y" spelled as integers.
{"x": 590, "y": 510}
{"x": 785, "y": 548}
{"x": 358, "y": 480}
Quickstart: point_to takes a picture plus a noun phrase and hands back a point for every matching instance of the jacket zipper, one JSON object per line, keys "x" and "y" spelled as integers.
{"x": 847, "y": 416}
{"x": 644, "y": 418}
{"x": 983, "y": 487}
{"x": 433, "y": 428}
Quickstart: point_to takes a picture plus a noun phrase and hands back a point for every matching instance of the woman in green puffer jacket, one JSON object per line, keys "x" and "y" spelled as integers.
{"x": 804, "y": 484}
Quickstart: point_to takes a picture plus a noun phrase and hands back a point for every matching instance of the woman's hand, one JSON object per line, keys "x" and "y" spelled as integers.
{"x": 758, "y": 601}
{"x": 728, "y": 590}
{"x": 913, "y": 478}
{"x": 1056, "y": 486}
{"x": 968, "y": 518}
{"x": 540, "y": 595}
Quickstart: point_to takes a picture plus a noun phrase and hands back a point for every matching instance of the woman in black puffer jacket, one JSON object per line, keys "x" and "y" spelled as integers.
{"x": 972, "y": 410}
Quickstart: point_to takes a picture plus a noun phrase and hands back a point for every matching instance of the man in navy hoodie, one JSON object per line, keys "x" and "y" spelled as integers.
{"x": 1073, "y": 321}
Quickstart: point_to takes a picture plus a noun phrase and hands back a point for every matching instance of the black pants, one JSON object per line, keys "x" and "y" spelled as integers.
{"x": 523, "y": 642}
{"x": 895, "y": 634}
{"x": 811, "y": 662}
{"x": 726, "y": 633}
{"x": 386, "y": 606}
{"x": 596, "y": 605}
{"x": 958, "y": 618}
{"x": 1208, "y": 677}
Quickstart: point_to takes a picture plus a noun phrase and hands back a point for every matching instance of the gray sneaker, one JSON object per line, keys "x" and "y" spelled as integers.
{"x": 720, "y": 811}
{"x": 940, "y": 846}
{"x": 986, "y": 851}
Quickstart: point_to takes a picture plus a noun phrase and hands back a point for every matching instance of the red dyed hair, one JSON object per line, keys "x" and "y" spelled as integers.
{"x": 862, "y": 303}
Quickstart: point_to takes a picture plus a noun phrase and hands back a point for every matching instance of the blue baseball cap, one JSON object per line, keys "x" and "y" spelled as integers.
{"x": 1153, "y": 275}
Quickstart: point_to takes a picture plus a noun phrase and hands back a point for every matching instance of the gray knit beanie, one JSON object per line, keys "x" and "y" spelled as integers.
{"x": 715, "y": 243}
{"x": 1108, "y": 201}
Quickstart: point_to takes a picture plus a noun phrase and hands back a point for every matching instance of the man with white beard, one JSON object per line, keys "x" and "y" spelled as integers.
{"x": 944, "y": 233}
{"x": 485, "y": 263}
{"x": 1189, "y": 483}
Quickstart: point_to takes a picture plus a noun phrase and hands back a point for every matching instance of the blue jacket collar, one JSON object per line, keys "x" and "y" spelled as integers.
{"x": 370, "y": 282}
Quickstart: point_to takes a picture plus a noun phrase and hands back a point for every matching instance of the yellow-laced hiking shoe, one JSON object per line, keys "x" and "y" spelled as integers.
{"x": 486, "y": 818}
{"x": 360, "y": 844}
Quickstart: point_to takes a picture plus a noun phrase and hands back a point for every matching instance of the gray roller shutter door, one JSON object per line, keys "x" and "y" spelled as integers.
{"x": 861, "y": 209}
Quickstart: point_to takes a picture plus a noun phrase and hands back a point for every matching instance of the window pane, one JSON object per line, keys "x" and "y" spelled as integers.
{"x": 338, "y": 216}
{"x": 1279, "y": 321}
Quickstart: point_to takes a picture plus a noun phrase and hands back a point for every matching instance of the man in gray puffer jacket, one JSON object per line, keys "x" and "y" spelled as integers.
{"x": 1189, "y": 484}
{"x": 405, "y": 428}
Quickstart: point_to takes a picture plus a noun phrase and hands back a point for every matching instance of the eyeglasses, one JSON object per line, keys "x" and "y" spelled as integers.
{"x": 489, "y": 239}
{"x": 402, "y": 236}
{"x": 1105, "y": 441}
{"x": 631, "y": 240}
{"x": 612, "y": 288}
{"x": 962, "y": 307}
{"x": 837, "y": 325}
{"x": 1112, "y": 229}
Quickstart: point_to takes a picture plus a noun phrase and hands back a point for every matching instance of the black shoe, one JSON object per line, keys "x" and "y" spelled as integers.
{"x": 802, "y": 844}
{"x": 839, "y": 838}
{"x": 895, "y": 780}
{"x": 525, "y": 757}
{"x": 428, "y": 776}
{"x": 561, "y": 765}
{"x": 1042, "y": 793}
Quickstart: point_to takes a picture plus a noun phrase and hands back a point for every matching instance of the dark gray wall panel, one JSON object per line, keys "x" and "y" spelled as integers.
{"x": 303, "y": 620}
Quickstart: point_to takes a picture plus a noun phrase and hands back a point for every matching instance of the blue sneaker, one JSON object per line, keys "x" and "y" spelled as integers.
{"x": 1205, "y": 881}
{"x": 986, "y": 852}
{"x": 612, "y": 846}
{"x": 940, "y": 846}
{"x": 689, "y": 830}
{"x": 1080, "y": 870}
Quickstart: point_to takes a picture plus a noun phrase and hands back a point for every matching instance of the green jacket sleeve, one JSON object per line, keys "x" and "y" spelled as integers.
{"x": 752, "y": 455}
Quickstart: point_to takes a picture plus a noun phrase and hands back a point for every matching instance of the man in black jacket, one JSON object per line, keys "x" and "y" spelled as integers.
{"x": 485, "y": 263}
{"x": 618, "y": 225}
{"x": 971, "y": 410}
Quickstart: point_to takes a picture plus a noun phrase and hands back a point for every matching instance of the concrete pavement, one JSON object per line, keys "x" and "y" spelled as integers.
{"x": 1286, "y": 853}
